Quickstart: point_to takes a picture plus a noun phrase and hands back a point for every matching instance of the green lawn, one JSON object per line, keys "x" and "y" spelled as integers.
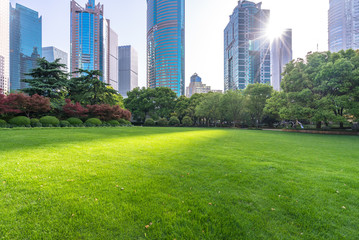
{"x": 177, "y": 183}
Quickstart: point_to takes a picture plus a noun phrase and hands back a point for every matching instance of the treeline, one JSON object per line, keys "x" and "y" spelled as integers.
{"x": 321, "y": 90}
{"x": 51, "y": 92}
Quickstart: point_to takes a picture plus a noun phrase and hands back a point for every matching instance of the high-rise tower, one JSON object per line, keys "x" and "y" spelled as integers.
{"x": 25, "y": 43}
{"x": 4, "y": 47}
{"x": 166, "y": 44}
{"x": 127, "y": 69}
{"x": 281, "y": 54}
{"x": 343, "y": 22}
{"x": 246, "y": 47}
{"x": 93, "y": 42}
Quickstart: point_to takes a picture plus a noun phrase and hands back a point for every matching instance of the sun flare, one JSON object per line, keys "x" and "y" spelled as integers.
{"x": 274, "y": 31}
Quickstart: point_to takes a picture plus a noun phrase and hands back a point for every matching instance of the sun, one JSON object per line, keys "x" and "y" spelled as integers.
{"x": 274, "y": 31}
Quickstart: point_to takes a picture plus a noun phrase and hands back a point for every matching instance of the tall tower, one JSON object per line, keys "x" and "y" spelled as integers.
{"x": 343, "y": 22}
{"x": 166, "y": 44}
{"x": 4, "y": 47}
{"x": 246, "y": 47}
{"x": 25, "y": 43}
{"x": 128, "y": 69}
{"x": 93, "y": 42}
{"x": 281, "y": 54}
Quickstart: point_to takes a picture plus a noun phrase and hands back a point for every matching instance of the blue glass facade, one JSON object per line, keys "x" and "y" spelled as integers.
{"x": 166, "y": 44}
{"x": 25, "y": 43}
{"x": 246, "y": 47}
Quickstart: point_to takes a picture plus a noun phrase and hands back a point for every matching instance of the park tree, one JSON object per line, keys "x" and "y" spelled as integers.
{"x": 31, "y": 106}
{"x": 181, "y": 107}
{"x": 140, "y": 102}
{"x": 209, "y": 108}
{"x": 88, "y": 89}
{"x": 74, "y": 109}
{"x": 164, "y": 101}
{"x": 256, "y": 98}
{"x": 274, "y": 104}
{"x": 49, "y": 79}
{"x": 232, "y": 106}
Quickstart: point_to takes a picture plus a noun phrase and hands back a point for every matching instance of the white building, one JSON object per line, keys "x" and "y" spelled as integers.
{"x": 4, "y": 46}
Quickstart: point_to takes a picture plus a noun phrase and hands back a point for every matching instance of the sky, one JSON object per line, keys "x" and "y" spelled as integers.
{"x": 205, "y": 23}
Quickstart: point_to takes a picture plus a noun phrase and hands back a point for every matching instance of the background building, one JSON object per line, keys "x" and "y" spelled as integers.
{"x": 246, "y": 47}
{"x": 128, "y": 69}
{"x": 343, "y": 25}
{"x": 196, "y": 86}
{"x": 4, "y": 46}
{"x": 25, "y": 43}
{"x": 281, "y": 54}
{"x": 52, "y": 53}
{"x": 166, "y": 44}
{"x": 93, "y": 42}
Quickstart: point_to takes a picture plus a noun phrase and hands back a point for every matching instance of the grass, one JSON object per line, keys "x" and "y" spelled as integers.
{"x": 177, "y": 183}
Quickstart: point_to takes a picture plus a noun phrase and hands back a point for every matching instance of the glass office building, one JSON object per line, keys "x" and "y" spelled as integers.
{"x": 93, "y": 42}
{"x": 166, "y": 44}
{"x": 53, "y": 53}
{"x": 246, "y": 47}
{"x": 4, "y": 46}
{"x": 128, "y": 69}
{"x": 25, "y": 43}
{"x": 343, "y": 22}
{"x": 281, "y": 51}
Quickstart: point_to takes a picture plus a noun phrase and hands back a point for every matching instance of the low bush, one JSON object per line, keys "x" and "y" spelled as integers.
{"x": 93, "y": 122}
{"x": 20, "y": 121}
{"x": 124, "y": 122}
{"x": 49, "y": 121}
{"x": 64, "y": 123}
{"x": 76, "y": 122}
{"x": 187, "y": 121}
{"x": 34, "y": 122}
{"x": 162, "y": 122}
{"x": 113, "y": 123}
{"x": 174, "y": 121}
{"x": 149, "y": 122}
{"x": 3, "y": 123}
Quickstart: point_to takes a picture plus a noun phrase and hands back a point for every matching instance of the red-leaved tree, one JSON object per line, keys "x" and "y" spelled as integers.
{"x": 106, "y": 112}
{"x": 74, "y": 110}
{"x": 30, "y": 106}
{"x": 5, "y": 108}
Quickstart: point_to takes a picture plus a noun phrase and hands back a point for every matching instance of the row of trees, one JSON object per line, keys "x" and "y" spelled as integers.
{"x": 322, "y": 89}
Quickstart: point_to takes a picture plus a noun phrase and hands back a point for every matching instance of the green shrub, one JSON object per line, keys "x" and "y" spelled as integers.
{"x": 49, "y": 121}
{"x": 149, "y": 122}
{"x": 64, "y": 123}
{"x": 162, "y": 122}
{"x": 35, "y": 122}
{"x": 93, "y": 122}
{"x": 113, "y": 123}
{"x": 124, "y": 122}
{"x": 174, "y": 121}
{"x": 187, "y": 121}
{"x": 3, "y": 123}
{"x": 75, "y": 122}
{"x": 20, "y": 121}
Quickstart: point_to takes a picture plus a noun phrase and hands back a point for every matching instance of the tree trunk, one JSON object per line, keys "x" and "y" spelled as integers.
{"x": 341, "y": 125}
{"x": 319, "y": 125}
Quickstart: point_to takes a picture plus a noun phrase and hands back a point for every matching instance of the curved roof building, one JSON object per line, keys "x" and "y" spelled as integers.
{"x": 166, "y": 44}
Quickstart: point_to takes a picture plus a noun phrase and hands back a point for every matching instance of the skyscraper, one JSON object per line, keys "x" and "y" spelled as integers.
{"x": 246, "y": 47}
{"x": 128, "y": 69}
{"x": 53, "y": 53}
{"x": 281, "y": 51}
{"x": 25, "y": 43}
{"x": 4, "y": 47}
{"x": 196, "y": 86}
{"x": 93, "y": 42}
{"x": 166, "y": 44}
{"x": 343, "y": 25}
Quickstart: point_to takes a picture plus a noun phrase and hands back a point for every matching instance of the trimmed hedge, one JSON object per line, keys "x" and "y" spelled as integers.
{"x": 162, "y": 122}
{"x": 187, "y": 121}
{"x": 149, "y": 122}
{"x": 93, "y": 122}
{"x": 49, "y": 121}
{"x": 35, "y": 122}
{"x": 124, "y": 122}
{"x": 20, "y": 121}
{"x": 113, "y": 123}
{"x": 174, "y": 121}
{"x": 75, "y": 121}
{"x": 64, "y": 123}
{"x": 3, "y": 123}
